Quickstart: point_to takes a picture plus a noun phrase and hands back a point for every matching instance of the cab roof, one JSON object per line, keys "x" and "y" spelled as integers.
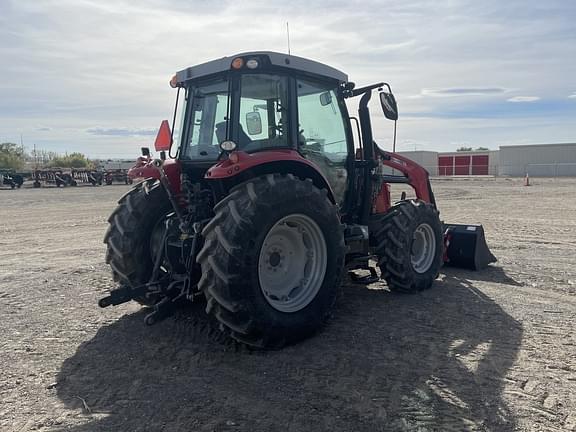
{"x": 266, "y": 58}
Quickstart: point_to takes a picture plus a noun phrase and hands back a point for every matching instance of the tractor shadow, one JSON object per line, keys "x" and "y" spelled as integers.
{"x": 431, "y": 361}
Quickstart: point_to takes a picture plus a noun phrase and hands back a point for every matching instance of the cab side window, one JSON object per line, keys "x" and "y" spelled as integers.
{"x": 321, "y": 133}
{"x": 320, "y": 121}
{"x": 263, "y": 112}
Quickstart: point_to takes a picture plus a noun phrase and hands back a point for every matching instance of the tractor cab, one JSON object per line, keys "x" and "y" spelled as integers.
{"x": 267, "y": 103}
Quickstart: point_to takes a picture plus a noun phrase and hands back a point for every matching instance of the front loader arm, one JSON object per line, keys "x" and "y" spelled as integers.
{"x": 414, "y": 175}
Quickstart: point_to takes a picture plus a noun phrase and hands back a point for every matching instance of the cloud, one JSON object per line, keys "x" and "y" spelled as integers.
{"x": 572, "y": 96}
{"x": 122, "y": 132}
{"x": 108, "y": 62}
{"x": 43, "y": 129}
{"x": 523, "y": 99}
{"x": 559, "y": 109}
{"x": 463, "y": 91}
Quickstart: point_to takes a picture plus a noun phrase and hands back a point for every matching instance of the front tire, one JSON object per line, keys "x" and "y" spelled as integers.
{"x": 409, "y": 246}
{"x": 129, "y": 235}
{"x": 272, "y": 261}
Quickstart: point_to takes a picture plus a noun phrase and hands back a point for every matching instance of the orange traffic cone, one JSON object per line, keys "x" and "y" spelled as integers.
{"x": 527, "y": 180}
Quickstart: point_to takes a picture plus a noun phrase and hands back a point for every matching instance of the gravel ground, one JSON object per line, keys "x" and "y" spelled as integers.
{"x": 492, "y": 350}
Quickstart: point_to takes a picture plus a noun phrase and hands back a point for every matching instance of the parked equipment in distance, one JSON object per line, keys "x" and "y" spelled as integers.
{"x": 10, "y": 178}
{"x": 118, "y": 176}
{"x": 63, "y": 177}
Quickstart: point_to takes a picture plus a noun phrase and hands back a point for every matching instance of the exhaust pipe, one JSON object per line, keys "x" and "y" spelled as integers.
{"x": 465, "y": 247}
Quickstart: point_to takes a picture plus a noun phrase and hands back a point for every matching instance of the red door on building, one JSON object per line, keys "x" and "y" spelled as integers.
{"x": 462, "y": 165}
{"x": 445, "y": 164}
{"x": 480, "y": 165}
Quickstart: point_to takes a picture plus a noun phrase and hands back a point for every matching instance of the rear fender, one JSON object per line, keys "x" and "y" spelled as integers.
{"x": 243, "y": 166}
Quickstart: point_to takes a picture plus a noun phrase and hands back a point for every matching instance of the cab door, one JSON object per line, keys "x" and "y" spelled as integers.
{"x": 322, "y": 136}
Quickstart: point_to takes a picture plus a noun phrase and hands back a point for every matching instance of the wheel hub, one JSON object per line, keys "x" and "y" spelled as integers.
{"x": 274, "y": 259}
{"x": 423, "y": 248}
{"x": 292, "y": 263}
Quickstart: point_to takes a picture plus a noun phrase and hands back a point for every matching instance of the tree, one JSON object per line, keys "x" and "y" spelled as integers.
{"x": 12, "y": 156}
{"x": 462, "y": 149}
{"x": 482, "y": 149}
{"x": 73, "y": 160}
{"x": 41, "y": 157}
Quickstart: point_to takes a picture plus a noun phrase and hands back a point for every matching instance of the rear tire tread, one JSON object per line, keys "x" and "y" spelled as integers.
{"x": 223, "y": 259}
{"x": 128, "y": 234}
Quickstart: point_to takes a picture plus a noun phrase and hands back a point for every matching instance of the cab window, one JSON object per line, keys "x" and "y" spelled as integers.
{"x": 320, "y": 122}
{"x": 208, "y": 120}
{"x": 322, "y": 134}
{"x": 263, "y": 112}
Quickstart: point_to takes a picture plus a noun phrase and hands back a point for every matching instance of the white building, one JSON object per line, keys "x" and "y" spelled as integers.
{"x": 538, "y": 160}
{"x": 541, "y": 160}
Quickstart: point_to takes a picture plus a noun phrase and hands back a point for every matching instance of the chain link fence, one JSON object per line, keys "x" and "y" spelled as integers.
{"x": 561, "y": 169}
{"x": 552, "y": 170}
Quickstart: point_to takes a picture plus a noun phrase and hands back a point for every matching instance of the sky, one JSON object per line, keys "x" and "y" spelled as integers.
{"x": 92, "y": 75}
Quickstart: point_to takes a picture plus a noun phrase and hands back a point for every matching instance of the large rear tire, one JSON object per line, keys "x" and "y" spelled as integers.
{"x": 130, "y": 234}
{"x": 272, "y": 261}
{"x": 409, "y": 246}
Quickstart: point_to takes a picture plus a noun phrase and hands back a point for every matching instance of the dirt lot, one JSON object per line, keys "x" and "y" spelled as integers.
{"x": 493, "y": 350}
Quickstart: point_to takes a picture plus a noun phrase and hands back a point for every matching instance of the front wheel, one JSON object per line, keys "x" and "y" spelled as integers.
{"x": 409, "y": 245}
{"x": 272, "y": 261}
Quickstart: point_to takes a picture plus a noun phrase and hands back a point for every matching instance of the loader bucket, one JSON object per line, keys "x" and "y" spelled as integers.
{"x": 465, "y": 247}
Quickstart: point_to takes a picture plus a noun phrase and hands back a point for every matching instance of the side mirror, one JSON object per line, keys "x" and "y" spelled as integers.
{"x": 389, "y": 106}
{"x": 254, "y": 123}
{"x": 164, "y": 138}
{"x": 145, "y": 151}
{"x": 325, "y": 98}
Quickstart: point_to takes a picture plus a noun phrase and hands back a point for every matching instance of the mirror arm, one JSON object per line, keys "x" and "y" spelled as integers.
{"x": 394, "y": 142}
{"x": 362, "y": 90}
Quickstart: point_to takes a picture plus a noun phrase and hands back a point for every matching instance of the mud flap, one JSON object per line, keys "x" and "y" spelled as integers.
{"x": 465, "y": 246}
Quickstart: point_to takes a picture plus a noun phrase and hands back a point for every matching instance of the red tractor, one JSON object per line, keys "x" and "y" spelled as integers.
{"x": 270, "y": 198}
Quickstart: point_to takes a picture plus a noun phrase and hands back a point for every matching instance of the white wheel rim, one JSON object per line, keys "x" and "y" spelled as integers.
{"x": 423, "y": 248}
{"x": 292, "y": 263}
